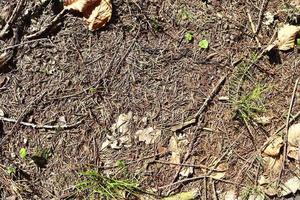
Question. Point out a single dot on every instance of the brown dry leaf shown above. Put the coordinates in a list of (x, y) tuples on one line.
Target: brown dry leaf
[(96, 12), (286, 37), (184, 195), (291, 186), (148, 135), (273, 146), (293, 152), (77, 5), (294, 135), (222, 168), (295, 3), (177, 145), (272, 165)]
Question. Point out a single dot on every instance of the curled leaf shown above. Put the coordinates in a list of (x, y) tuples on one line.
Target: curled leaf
[(183, 195), (148, 135), (294, 135), (96, 12), (286, 37), (273, 146)]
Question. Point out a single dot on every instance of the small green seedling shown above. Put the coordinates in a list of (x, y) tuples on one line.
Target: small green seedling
[(203, 44), (184, 14), (188, 36), (94, 183), (11, 170), (23, 153), (120, 164), (298, 41), (92, 90)]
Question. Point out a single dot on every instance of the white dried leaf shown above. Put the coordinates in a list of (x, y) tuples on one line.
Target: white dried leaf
[(263, 120), (186, 171), (1, 113), (190, 195), (294, 135), (148, 135), (122, 124), (222, 168), (177, 145), (272, 165), (291, 186), (230, 195), (293, 152), (256, 197), (286, 37), (269, 18), (273, 146)]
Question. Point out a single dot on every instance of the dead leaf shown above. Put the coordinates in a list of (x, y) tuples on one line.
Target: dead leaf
[(272, 165), (269, 18), (256, 197), (295, 3), (2, 113), (263, 120), (293, 152), (120, 133), (291, 186), (263, 180), (273, 146), (148, 135), (222, 168), (230, 195), (183, 195), (96, 12), (122, 124), (270, 190), (294, 135), (177, 145), (286, 37), (186, 171)]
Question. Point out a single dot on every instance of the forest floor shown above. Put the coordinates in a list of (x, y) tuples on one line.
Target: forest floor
[(142, 105)]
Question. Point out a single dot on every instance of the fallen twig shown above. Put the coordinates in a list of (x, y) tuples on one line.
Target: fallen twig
[(48, 26), (196, 117), (12, 18), (285, 141), (40, 126), (195, 179), (260, 17), (253, 29), (188, 165)]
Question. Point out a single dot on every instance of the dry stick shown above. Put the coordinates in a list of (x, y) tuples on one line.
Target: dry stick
[(48, 27), (287, 130), (195, 179), (213, 93), (253, 28), (188, 165), (260, 18), (136, 161), (12, 18), (40, 126), (23, 43), (22, 115)]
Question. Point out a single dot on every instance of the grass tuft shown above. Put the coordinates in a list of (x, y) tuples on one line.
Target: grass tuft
[(95, 184)]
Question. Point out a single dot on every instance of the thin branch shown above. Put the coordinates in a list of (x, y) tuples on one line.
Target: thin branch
[(188, 165), (287, 130), (48, 26), (12, 19), (40, 126)]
